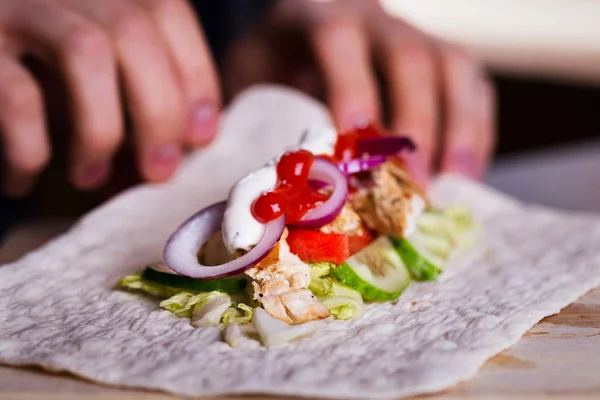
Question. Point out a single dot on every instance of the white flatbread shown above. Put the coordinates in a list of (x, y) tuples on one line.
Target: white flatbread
[(58, 308)]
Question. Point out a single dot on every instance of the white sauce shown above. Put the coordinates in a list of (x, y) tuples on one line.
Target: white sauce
[(240, 230), (417, 206), (319, 140)]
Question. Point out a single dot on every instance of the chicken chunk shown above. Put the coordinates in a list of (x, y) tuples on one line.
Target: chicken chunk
[(393, 202), (347, 222), (281, 283)]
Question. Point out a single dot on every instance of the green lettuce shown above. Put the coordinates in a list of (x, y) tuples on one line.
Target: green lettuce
[(204, 309), (341, 301), (460, 217), (209, 310), (320, 281), (321, 269), (136, 282), (238, 314), (344, 303), (185, 304), (455, 225)]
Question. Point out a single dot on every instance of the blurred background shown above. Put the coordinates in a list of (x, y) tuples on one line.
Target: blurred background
[(543, 55)]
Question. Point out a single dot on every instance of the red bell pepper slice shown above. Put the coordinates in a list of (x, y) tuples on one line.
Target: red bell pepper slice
[(357, 242), (314, 246)]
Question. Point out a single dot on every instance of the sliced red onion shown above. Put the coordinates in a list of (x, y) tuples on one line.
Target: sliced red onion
[(317, 185), (384, 146), (181, 250), (361, 164), (329, 173)]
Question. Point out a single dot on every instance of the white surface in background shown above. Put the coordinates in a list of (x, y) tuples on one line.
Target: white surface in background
[(567, 177), (554, 38)]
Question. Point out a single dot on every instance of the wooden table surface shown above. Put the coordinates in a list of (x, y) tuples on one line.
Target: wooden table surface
[(559, 358)]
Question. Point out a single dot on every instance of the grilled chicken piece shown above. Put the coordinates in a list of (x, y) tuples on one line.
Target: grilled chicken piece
[(295, 307), (347, 222), (393, 202), (281, 284)]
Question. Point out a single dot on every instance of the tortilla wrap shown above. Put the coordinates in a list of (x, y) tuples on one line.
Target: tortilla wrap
[(59, 308)]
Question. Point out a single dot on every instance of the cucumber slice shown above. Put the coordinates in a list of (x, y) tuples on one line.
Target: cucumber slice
[(162, 274), (423, 264), (376, 272)]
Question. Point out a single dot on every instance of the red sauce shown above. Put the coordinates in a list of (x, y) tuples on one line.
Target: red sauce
[(345, 147), (293, 195)]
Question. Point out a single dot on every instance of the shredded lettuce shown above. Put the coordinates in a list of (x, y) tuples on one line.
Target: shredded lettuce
[(238, 314), (464, 229), (320, 281), (209, 311), (321, 287), (460, 217), (232, 335), (136, 282), (321, 269), (344, 303), (453, 224), (204, 309), (185, 304), (341, 301)]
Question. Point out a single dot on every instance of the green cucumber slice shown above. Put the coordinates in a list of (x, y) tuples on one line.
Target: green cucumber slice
[(423, 264), (159, 273), (439, 234), (376, 272)]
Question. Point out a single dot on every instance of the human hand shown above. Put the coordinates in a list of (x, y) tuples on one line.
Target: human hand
[(146, 58), (435, 91)]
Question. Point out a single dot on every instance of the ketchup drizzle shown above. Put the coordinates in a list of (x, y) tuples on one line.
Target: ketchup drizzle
[(293, 195)]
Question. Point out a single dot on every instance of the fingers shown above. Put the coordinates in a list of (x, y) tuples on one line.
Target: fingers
[(249, 61), (439, 97), (152, 89), (411, 71), (469, 101), (488, 120), (83, 52), (153, 48), (347, 72), (198, 77), (22, 127)]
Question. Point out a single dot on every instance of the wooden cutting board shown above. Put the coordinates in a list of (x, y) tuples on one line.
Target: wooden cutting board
[(559, 358)]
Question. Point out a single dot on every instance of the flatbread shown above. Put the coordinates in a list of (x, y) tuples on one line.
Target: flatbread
[(59, 310)]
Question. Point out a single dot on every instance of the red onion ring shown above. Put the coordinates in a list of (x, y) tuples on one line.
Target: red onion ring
[(325, 171), (317, 185), (384, 146), (180, 252), (361, 164)]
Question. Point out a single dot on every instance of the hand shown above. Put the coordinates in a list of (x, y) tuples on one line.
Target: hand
[(144, 57), (436, 92)]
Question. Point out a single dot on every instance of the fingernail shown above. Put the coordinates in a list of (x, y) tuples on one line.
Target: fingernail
[(164, 161), (464, 162), (88, 176), (204, 121), (418, 167)]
